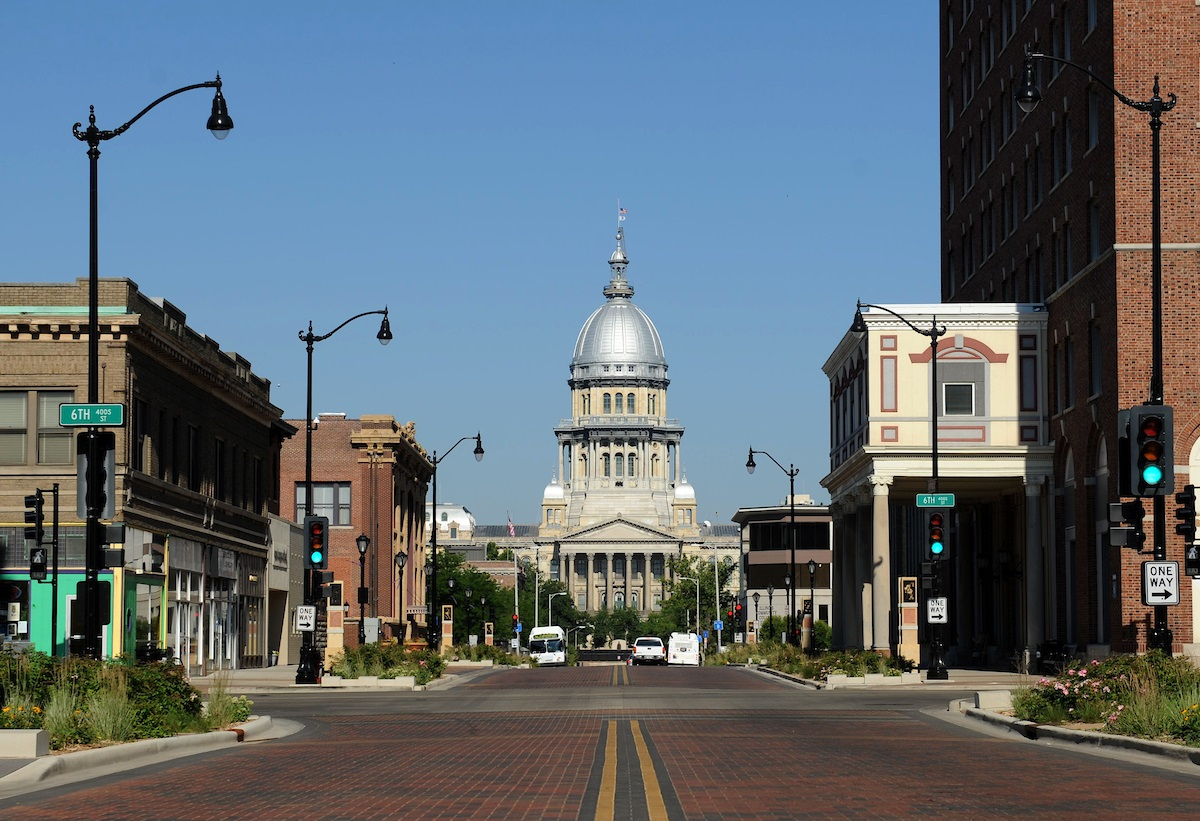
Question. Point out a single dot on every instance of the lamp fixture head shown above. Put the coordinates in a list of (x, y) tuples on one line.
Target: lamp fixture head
[(859, 326), (1027, 94), (478, 448), (220, 123), (401, 559), (750, 462), (812, 568), (363, 541), (385, 330)]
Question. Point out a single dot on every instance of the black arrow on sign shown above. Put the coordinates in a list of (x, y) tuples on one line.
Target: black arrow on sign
[(1161, 594)]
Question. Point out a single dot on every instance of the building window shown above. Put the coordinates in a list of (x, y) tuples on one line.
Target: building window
[(650, 404), (331, 500), (606, 462), (587, 404), (620, 460), (194, 473), (1093, 118), (453, 532), (608, 403), (54, 443), (630, 406), (620, 403), (1094, 371), (631, 463), (1092, 15), (958, 399), (220, 482), (1094, 245)]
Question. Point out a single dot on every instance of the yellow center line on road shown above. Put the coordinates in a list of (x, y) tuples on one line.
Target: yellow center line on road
[(605, 804), (656, 808)]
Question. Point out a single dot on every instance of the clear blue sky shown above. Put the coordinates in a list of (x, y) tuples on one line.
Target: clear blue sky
[(461, 163)]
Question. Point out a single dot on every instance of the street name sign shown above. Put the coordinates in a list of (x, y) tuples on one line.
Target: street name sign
[(935, 500), (1160, 582), (935, 610), (306, 618), (93, 414)]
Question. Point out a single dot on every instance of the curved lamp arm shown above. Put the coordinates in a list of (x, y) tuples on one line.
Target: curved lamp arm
[(219, 123), (436, 460), (1028, 96), (384, 336), (860, 327)]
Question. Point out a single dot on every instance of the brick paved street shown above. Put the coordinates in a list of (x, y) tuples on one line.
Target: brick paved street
[(637, 743)]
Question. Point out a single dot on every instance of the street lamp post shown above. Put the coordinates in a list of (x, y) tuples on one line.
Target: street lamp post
[(220, 124), (696, 582), (401, 559), (550, 606), (363, 542), (1027, 97), (306, 671), (756, 597), (770, 602), (433, 622), (812, 608), (467, 614), (791, 471), (937, 662)]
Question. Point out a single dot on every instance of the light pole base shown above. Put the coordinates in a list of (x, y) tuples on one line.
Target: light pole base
[(306, 671)]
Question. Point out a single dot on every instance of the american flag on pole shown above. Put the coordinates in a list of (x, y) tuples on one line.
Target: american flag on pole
[(621, 212), (512, 531)]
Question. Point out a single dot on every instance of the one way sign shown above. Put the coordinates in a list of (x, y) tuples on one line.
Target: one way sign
[(1160, 582)]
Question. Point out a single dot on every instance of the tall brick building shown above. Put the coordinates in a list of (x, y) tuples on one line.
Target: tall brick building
[(1053, 207), (370, 477)]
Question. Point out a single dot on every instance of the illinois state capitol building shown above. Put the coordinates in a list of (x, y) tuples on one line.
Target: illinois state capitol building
[(619, 503)]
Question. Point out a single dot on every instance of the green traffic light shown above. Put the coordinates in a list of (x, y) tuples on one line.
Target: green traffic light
[(936, 548), (1152, 475), (315, 557)]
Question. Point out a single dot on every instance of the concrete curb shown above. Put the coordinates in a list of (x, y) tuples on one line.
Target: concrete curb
[(135, 753), (1080, 738)]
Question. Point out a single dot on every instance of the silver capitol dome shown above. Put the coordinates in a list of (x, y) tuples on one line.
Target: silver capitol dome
[(618, 333)]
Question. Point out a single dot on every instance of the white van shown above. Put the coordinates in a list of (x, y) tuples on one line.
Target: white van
[(548, 646), (684, 648)]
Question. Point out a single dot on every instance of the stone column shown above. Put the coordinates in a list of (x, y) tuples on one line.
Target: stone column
[(647, 595), (590, 582), (608, 581), (881, 566), (1035, 562), (566, 569)]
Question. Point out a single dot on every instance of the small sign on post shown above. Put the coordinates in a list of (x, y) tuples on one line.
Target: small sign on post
[(306, 618), (935, 500), (1160, 583), (935, 610), (91, 415)]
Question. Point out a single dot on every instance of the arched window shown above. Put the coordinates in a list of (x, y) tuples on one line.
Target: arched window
[(608, 403), (633, 600), (606, 465), (587, 404), (620, 403), (618, 600), (631, 473), (445, 517), (620, 461), (651, 403), (630, 405)]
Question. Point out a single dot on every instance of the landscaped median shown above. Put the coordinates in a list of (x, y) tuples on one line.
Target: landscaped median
[(1148, 703)]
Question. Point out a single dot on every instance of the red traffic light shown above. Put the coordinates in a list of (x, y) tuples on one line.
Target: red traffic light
[(1152, 426)]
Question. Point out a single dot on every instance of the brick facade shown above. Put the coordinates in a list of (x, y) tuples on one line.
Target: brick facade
[(385, 474), (1054, 207)]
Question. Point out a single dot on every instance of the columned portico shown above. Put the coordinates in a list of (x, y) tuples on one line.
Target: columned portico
[(881, 565)]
